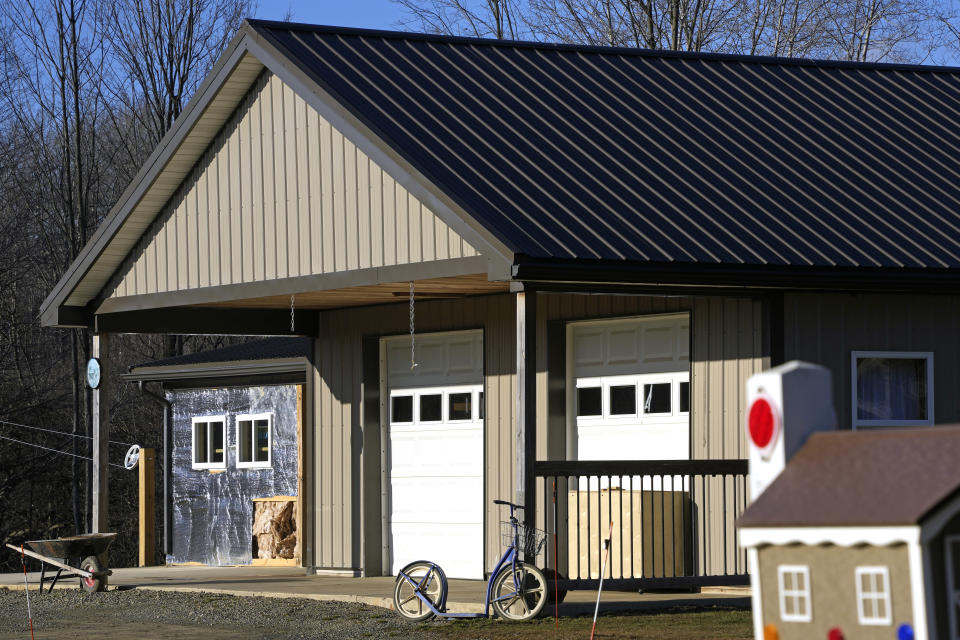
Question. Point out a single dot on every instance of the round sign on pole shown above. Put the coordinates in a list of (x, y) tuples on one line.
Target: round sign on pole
[(132, 457), (763, 424), (93, 373)]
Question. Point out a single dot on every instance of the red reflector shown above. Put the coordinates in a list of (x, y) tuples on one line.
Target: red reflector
[(761, 423)]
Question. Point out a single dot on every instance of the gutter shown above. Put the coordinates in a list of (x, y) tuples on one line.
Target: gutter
[(560, 274)]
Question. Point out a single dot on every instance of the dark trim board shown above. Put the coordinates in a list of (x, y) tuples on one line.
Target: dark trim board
[(211, 321), (610, 277), (292, 370)]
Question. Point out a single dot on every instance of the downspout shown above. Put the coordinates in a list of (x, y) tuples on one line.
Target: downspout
[(167, 464)]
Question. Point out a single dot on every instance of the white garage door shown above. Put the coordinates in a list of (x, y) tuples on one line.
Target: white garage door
[(632, 381), (435, 459)]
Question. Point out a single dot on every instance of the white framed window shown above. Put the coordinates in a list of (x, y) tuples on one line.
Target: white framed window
[(209, 442), (634, 399), (892, 388), (255, 441), (794, 583), (461, 404), (873, 595)]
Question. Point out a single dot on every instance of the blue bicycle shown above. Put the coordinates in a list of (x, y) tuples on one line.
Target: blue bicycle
[(516, 590)]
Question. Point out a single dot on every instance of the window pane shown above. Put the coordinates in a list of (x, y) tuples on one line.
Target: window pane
[(263, 440), (892, 388), (589, 401), (656, 397), (481, 408), (402, 409), (216, 437), (460, 406), (431, 408), (684, 397), (245, 449), (623, 400), (200, 437)]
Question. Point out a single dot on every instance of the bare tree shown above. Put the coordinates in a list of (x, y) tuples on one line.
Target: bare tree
[(500, 19), (162, 50)]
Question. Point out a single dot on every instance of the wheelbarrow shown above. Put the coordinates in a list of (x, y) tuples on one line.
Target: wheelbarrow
[(88, 552)]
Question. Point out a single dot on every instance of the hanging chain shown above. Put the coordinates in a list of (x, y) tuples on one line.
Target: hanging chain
[(292, 323), (413, 347)]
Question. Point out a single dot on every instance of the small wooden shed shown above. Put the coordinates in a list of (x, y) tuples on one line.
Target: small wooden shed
[(861, 534)]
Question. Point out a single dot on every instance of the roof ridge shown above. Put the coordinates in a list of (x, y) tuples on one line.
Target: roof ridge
[(700, 56)]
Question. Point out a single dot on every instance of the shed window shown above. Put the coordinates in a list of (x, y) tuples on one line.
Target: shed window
[(794, 583), (892, 388), (254, 441), (209, 438), (656, 398), (873, 595)]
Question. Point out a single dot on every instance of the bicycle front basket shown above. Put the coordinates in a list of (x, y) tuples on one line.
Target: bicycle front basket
[(530, 540)]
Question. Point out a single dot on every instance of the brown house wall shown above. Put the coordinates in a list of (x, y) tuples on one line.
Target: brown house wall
[(833, 589), (824, 329)]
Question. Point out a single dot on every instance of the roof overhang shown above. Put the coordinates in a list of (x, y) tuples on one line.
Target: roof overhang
[(77, 297), (289, 369), (841, 536)]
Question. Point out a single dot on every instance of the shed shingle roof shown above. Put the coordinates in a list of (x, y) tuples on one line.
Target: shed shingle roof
[(862, 478), (613, 154)]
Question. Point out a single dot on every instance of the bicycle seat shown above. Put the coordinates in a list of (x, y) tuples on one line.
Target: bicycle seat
[(515, 506)]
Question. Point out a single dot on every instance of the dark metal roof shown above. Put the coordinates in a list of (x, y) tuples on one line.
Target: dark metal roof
[(618, 154), (267, 349), (862, 478)]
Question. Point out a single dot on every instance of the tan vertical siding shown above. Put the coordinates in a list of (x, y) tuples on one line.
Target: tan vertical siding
[(726, 329), (825, 329), (338, 409), (281, 193)]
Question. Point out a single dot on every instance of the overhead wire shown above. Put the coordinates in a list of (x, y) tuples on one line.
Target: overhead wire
[(66, 453), (61, 433)]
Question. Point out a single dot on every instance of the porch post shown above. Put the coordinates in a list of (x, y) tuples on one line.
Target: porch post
[(100, 414), (526, 445)]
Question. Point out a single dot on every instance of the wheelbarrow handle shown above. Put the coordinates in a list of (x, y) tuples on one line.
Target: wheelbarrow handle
[(56, 563)]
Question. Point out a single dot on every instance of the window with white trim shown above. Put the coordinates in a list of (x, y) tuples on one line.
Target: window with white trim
[(794, 583), (892, 388), (255, 441), (873, 595), (209, 442)]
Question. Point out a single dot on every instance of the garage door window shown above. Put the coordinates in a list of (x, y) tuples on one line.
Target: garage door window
[(657, 398), (431, 407), (460, 406), (401, 409), (589, 401), (623, 400)]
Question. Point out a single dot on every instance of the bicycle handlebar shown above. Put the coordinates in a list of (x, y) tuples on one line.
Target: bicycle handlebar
[(515, 506)]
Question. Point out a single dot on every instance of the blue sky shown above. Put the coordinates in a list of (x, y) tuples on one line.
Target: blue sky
[(371, 14)]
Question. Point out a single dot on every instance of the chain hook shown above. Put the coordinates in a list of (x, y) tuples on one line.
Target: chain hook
[(292, 317), (413, 348)]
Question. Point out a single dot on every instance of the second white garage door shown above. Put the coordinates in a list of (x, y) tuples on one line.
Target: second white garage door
[(435, 457)]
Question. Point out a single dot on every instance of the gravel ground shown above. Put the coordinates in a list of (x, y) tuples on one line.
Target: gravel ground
[(151, 614)]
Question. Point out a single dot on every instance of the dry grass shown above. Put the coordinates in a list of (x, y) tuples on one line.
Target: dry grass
[(716, 624)]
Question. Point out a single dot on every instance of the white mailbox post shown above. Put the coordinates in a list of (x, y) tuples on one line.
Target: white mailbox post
[(785, 405)]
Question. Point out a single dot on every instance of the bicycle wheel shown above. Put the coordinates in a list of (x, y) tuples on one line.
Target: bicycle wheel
[(433, 586), (519, 593)]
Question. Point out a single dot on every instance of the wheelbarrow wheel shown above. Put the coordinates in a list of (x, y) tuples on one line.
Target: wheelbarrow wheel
[(94, 584)]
